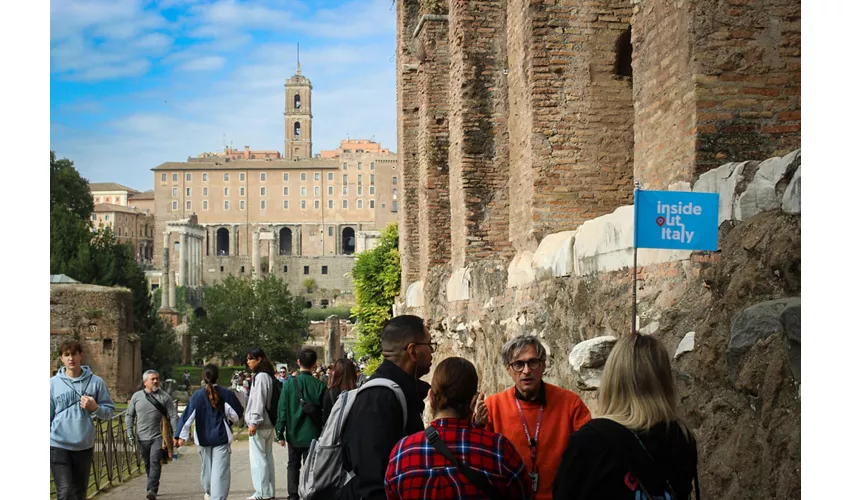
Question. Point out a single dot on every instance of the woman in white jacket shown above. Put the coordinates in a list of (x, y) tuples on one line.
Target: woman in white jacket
[(260, 427)]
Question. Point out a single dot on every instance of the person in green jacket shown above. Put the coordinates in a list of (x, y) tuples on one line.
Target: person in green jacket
[(294, 425)]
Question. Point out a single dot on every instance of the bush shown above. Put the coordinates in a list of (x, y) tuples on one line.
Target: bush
[(322, 314), (372, 365), (195, 372)]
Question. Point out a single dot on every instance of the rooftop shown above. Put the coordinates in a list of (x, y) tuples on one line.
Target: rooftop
[(109, 207), (110, 186), (219, 164), (147, 195)]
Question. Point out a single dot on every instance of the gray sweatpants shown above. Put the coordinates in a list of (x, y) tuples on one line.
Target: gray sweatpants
[(215, 470)]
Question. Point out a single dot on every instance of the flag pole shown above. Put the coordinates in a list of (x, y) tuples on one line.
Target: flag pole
[(634, 264)]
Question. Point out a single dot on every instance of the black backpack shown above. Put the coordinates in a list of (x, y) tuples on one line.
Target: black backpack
[(277, 388), (313, 412)]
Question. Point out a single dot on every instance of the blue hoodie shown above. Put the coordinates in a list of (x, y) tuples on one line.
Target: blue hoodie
[(71, 426)]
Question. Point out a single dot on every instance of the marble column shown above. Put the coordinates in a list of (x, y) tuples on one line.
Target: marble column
[(183, 259), (172, 291), (255, 254), (200, 263), (164, 282)]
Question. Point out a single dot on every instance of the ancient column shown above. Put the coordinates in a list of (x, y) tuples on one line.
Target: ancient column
[(165, 277), (255, 253), (232, 248), (200, 267), (172, 291), (183, 259)]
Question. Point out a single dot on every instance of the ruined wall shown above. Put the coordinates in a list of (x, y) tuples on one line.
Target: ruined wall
[(101, 319)]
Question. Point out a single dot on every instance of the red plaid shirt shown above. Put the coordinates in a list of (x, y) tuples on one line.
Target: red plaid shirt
[(418, 471)]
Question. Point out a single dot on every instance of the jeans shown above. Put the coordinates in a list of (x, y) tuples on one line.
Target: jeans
[(293, 469), (70, 471), (215, 470), (152, 454), (262, 462)]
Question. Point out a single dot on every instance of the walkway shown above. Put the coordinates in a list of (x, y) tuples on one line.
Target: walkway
[(182, 479)]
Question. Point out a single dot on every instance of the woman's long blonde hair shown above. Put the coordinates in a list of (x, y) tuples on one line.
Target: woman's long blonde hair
[(637, 389)]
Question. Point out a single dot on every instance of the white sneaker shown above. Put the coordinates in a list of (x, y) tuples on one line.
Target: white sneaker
[(206, 496)]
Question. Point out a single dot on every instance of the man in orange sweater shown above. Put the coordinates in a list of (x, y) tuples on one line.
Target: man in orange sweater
[(536, 417)]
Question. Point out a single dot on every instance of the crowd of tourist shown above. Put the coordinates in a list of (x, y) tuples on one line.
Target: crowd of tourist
[(533, 440)]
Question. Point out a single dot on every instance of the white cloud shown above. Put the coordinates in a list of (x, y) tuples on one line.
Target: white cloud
[(207, 63)]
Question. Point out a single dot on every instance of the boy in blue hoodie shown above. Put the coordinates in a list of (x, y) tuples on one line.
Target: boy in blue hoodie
[(75, 395)]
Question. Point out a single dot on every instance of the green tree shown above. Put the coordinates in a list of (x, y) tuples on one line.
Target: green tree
[(377, 282), (243, 313)]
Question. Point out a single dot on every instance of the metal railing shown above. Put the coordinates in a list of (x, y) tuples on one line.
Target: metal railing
[(113, 460)]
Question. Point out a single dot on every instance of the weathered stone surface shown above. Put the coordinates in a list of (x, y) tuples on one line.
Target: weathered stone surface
[(753, 324), (554, 255), (458, 286), (414, 296), (761, 193), (587, 359), (791, 198), (686, 345), (722, 180), (180, 396), (520, 272), (790, 317)]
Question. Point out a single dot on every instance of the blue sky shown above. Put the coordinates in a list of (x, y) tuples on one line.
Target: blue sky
[(134, 83)]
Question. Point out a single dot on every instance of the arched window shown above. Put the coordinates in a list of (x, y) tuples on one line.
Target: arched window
[(347, 241), (286, 241), (297, 129), (222, 237), (297, 101)]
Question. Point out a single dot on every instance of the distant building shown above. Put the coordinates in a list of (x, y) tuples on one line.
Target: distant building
[(111, 192), (130, 225)]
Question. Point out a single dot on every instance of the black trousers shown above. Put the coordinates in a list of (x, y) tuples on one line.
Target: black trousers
[(71, 471), (293, 469), (152, 454)]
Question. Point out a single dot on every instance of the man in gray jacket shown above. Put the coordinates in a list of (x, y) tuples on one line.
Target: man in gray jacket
[(144, 409)]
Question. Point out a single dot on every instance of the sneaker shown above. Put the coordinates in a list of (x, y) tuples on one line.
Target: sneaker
[(206, 496), (151, 495)]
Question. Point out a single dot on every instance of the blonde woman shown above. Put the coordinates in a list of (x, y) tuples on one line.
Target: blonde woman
[(638, 448)]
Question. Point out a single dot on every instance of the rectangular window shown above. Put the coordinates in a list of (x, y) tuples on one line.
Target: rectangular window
[(188, 191), (188, 205), (206, 206), (303, 176), (395, 206), (372, 179), (303, 204), (188, 177), (359, 203), (286, 269), (330, 190), (330, 204), (371, 189), (106, 217), (162, 178), (316, 176), (262, 177), (173, 207), (242, 191), (345, 190), (359, 180), (330, 231), (306, 269), (242, 176), (316, 204), (345, 166), (262, 190), (359, 166), (286, 177), (286, 204), (174, 192), (359, 190), (262, 204), (324, 269), (316, 191), (226, 204), (226, 191), (344, 179), (330, 176), (303, 191), (344, 203), (205, 191), (286, 190), (371, 203), (174, 177), (372, 166), (205, 177), (395, 181), (226, 177), (241, 204)]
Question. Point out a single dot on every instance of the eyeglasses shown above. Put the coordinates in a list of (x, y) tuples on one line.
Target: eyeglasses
[(518, 366), (432, 345)]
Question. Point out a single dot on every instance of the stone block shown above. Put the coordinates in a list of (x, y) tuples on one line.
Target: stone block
[(458, 286), (554, 255), (753, 324), (415, 295), (587, 359), (722, 180), (791, 198), (520, 271), (686, 345), (761, 193)]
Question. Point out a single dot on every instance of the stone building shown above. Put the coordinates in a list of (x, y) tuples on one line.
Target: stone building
[(130, 225), (297, 217), (101, 318), (112, 193)]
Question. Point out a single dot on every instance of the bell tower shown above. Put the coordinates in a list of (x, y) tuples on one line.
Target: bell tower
[(298, 117)]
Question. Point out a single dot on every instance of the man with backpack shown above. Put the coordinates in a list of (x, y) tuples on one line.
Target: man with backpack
[(155, 417), (377, 419), (299, 416)]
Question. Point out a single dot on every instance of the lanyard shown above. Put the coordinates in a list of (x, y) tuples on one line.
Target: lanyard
[(532, 442)]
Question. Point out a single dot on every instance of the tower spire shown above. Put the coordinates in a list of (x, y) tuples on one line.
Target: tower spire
[(298, 58)]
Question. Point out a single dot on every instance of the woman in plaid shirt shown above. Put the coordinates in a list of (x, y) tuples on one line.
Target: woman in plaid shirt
[(418, 471)]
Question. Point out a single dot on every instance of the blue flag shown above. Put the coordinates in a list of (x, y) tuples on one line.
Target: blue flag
[(678, 220)]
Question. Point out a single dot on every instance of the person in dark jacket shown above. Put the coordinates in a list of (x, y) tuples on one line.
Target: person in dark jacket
[(375, 425), (637, 448), (211, 409), (343, 378), (294, 427)]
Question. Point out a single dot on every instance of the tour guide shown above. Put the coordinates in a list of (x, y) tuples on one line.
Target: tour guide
[(538, 418)]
